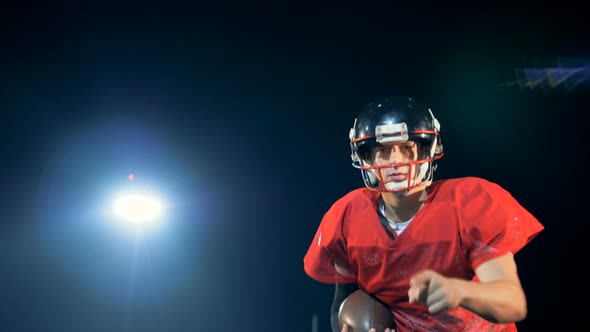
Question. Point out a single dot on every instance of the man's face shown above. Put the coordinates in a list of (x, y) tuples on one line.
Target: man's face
[(392, 163), (398, 156)]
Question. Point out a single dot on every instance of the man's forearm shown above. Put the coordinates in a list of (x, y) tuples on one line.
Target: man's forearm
[(340, 294), (498, 301)]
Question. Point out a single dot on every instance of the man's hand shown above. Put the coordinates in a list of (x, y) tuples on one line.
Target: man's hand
[(434, 291)]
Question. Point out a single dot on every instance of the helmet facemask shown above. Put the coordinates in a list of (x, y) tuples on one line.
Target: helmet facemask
[(419, 171)]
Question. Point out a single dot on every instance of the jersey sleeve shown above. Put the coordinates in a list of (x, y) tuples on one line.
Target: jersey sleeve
[(327, 259), (494, 223)]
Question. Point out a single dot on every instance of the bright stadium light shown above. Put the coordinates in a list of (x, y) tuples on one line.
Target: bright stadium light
[(138, 208)]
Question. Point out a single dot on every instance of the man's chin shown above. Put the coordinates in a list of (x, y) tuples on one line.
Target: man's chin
[(396, 186), (402, 188)]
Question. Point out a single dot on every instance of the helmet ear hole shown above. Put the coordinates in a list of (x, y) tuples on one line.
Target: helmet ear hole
[(439, 147)]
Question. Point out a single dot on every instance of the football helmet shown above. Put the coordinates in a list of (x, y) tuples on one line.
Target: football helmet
[(394, 120)]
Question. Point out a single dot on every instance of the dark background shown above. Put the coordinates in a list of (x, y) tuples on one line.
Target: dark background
[(239, 114)]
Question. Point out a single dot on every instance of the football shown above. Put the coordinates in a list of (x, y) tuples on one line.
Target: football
[(361, 311)]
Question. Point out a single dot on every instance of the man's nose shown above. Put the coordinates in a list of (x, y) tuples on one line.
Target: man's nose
[(395, 155)]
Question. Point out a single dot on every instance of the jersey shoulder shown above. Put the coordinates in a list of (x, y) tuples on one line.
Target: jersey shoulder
[(468, 185), (357, 198), (472, 192)]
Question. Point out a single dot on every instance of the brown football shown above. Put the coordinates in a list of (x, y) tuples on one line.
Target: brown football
[(361, 311)]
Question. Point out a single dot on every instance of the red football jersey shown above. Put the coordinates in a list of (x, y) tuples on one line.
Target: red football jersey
[(463, 223)]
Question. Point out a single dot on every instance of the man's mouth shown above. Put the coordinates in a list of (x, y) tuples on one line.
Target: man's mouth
[(396, 177)]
